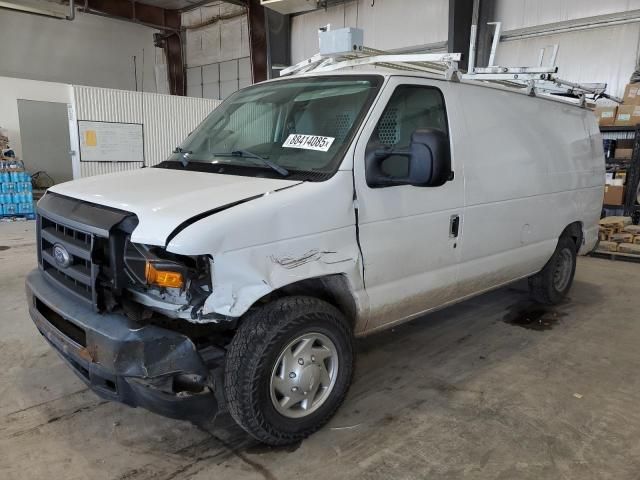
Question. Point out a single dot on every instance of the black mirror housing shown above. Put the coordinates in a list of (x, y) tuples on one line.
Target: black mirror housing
[(429, 161)]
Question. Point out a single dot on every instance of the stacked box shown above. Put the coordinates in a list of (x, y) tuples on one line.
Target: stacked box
[(16, 196), (613, 231), (617, 234)]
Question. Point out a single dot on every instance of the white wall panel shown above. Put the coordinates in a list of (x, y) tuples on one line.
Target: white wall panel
[(527, 13), (231, 39), (244, 72), (388, 24), (91, 50), (211, 81), (166, 120), (215, 49), (194, 82)]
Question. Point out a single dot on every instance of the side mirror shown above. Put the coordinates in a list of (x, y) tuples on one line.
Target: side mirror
[(429, 161)]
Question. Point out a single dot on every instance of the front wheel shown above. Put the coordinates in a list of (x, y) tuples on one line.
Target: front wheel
[(288, 369), (552, 283)]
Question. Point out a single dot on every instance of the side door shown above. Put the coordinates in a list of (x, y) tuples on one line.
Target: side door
[(409, 235)]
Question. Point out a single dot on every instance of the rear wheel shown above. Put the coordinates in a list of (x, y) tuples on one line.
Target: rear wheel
[(553, 282), (288, 369)]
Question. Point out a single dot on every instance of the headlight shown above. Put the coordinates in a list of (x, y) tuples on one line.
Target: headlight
[(163, 278), (150, 266)]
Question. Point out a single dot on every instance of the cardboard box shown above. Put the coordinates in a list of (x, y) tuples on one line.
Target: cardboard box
[(631, 94), (606, 115), (613, 195), (624, 153), (620, 175), (628, 115)]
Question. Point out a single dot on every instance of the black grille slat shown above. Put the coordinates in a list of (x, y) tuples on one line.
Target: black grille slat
[(79, 278), (79, 273), (81, 292), (75, 247)]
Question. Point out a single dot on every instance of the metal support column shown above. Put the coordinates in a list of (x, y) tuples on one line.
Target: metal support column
[(257, 40), (278, 42), (460, 20)]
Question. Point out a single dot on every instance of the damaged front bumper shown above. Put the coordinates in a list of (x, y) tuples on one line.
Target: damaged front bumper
[(148, 367)]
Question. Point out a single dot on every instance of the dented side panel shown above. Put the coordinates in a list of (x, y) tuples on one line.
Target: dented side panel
[(303, 232)]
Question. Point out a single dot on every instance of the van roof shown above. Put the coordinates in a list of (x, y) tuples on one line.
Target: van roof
[(388, 72)]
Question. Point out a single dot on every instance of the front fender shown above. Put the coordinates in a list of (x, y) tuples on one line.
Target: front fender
[(303, 232)]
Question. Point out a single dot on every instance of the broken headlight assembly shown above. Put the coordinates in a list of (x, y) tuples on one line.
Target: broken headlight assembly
[(173, 285)]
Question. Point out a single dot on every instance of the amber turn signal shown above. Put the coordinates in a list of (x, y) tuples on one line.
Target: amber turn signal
[(163, 278)]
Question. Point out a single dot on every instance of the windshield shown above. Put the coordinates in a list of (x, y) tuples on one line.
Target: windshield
[(302, 125)]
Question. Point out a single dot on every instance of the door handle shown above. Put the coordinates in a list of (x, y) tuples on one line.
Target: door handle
[(454, 226)]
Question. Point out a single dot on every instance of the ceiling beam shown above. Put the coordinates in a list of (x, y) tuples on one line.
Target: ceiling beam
[(132, 11)]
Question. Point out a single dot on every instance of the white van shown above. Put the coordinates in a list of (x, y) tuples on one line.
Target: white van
[(302, 213)]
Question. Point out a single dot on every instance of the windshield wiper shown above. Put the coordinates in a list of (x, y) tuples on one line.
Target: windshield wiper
[(247, 154), (185, 154)]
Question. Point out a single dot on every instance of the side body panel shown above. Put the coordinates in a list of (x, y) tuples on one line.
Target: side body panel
[(532, 167)]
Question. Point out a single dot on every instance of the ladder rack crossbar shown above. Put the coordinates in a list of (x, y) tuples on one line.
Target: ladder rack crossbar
[(535, 79)]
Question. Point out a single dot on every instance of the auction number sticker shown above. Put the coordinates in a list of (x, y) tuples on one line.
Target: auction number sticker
[(308, 142)]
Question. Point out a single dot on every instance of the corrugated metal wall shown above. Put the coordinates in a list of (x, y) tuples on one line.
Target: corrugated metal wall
[(166, 120)]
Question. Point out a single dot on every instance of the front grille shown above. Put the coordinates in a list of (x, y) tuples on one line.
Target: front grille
[(79, 277)]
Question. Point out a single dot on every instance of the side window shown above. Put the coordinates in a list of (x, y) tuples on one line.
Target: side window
[(411, 107)]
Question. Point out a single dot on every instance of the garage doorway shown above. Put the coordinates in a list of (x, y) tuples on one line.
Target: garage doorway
[(44, 135)]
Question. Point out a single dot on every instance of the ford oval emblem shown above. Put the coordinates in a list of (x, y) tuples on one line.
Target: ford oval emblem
[(61, 256)]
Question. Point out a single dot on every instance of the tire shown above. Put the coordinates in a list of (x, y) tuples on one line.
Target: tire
[(552, 283), (259, 368)]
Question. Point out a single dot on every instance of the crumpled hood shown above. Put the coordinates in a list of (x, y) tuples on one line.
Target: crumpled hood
[(162, 199)]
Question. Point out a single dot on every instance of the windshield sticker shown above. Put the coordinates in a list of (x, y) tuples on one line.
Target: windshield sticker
[(308, 142)]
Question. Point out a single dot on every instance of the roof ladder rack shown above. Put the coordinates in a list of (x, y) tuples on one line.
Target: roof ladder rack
[(343, 48)]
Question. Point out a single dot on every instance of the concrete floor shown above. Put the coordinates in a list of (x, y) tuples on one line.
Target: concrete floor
[(457, 393)]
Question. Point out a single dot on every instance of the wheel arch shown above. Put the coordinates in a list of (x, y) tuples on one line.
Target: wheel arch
[(575, 231), (334, 289)]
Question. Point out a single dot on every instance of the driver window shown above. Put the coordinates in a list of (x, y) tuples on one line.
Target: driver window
[(411, 107)]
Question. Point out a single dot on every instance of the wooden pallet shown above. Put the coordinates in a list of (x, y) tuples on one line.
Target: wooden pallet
[(625, 257)]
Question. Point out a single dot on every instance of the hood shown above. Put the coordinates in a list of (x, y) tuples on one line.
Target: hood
[(162, 199)]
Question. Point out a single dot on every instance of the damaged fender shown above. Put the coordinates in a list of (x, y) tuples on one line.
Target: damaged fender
[(263, 245)]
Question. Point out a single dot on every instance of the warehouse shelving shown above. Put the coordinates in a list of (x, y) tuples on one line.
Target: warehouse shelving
[(632, 167)]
